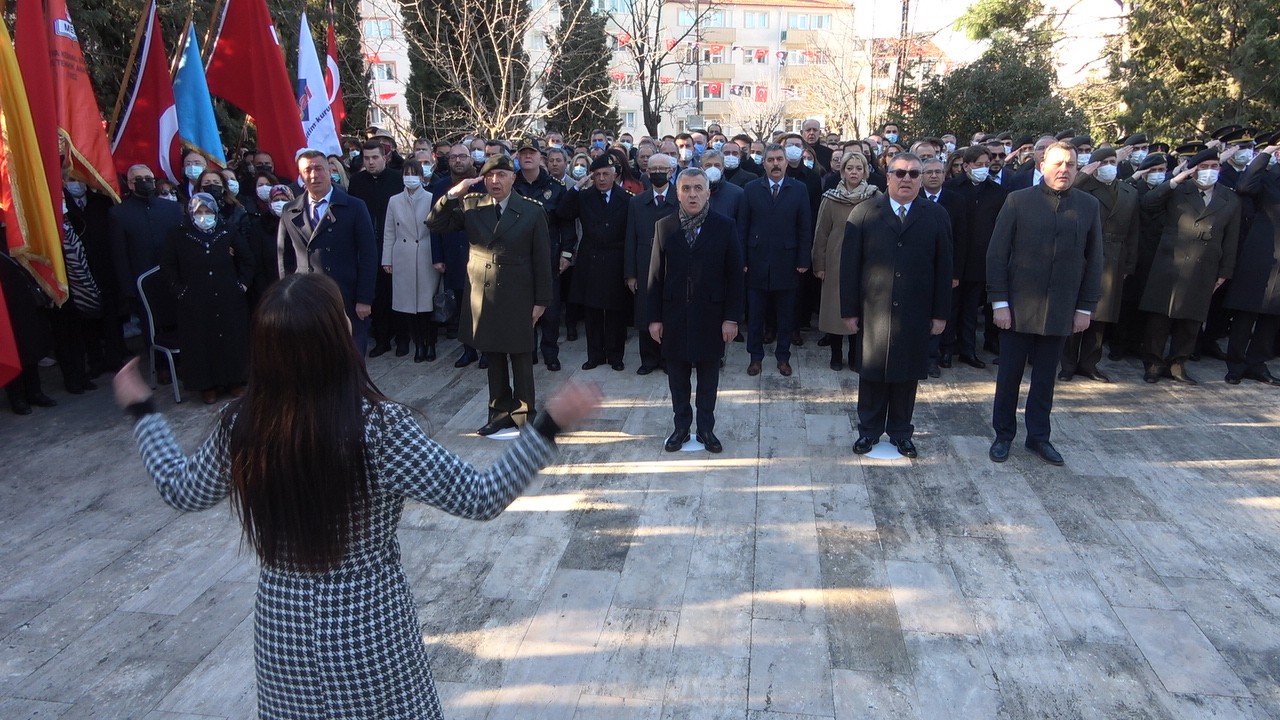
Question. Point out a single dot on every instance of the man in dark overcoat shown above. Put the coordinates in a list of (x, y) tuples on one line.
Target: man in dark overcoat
[(331, 232), (138, 227), (1196, 254), (695, 303), (895, 294), (1044, 278), (1254, 293), (375, 185), (599, 283), (509, 272), (1118, 203), (982, 202), (534, 182), (449, 250), (656, 202), (779, 241)]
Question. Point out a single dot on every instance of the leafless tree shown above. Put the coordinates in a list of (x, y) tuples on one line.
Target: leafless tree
[(759, 119)]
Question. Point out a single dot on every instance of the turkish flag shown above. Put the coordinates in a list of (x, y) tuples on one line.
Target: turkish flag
[(713, 88), (79, 119), (148, 129), (246, 68), (761, 53), (333, 79), (762, 94)]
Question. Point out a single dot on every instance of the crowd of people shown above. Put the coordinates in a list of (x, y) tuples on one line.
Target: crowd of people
[(465, 238)]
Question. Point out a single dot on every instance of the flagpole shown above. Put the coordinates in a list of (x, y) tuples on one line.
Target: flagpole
[(182, 47), (215, 22), (128, 69)]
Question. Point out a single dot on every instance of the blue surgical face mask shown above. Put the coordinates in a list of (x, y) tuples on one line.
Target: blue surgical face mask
[(891, 137), (336, 178), (699, 148), (516, 162), (598, 144), (717, 144)]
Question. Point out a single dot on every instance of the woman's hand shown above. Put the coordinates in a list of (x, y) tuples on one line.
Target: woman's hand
[(129, 386), (574, 402)]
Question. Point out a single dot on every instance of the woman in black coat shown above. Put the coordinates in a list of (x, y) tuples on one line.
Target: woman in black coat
[(209, 266)]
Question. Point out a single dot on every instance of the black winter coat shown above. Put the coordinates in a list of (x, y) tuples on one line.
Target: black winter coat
[(694, 290)]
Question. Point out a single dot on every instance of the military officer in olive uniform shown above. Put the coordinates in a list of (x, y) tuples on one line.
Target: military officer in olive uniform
[(509, 273)]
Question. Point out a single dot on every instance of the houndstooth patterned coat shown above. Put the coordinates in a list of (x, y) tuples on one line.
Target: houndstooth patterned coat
[(346, 643)]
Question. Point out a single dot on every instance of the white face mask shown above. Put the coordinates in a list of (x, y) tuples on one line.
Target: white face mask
[(686, 154), (731, 161), (626, 145), (757, 158), (1083, 159), (277, 207), (205, 221), (76, 189), (412, 182), (1156, 178), (808, 162), (192, 171), (428, 170), (891, 137), (717, 144), (234, 186), (1008, 149), (1106, 173), (794, 153), (1206, 178), (1244, 156), (979, 174), (950, 147), (578, 172), (1137, 156), (713, 174), (353, 154), (477, 155), (264, 192)]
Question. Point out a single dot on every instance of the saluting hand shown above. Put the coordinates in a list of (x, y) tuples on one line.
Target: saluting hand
[(460, 189)]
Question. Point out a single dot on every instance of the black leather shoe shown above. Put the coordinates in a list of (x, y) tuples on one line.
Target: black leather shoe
[(420, 354), (676, 440), (1152, 373), (754, 368), (863, 445), (402, 350), (484, 362), (503, 423), (430, 354), (41, 400), (1232, 379), (999, 451), (710, 442), (379, 350), (553, 365), (824, 341), (784, 368), (935, 371), (972, 361), (644, 370), (1096, 375), (618, 366), (1046, 451), (944, 361), (1179, 374), (465, 359), (19, 406), (1264, 377), (906, 448), (1064, 376), (837, 365), (590, 365)]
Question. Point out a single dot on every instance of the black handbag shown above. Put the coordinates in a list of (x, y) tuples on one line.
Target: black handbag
[(444, 304)]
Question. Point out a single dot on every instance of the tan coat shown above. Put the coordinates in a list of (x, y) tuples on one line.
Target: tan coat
[(828, 239)]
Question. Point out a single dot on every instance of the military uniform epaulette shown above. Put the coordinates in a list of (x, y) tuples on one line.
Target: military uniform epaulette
[(475, 195), (535, 201)]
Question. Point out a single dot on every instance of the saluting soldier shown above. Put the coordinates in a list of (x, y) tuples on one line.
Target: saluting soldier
[(509, 273)]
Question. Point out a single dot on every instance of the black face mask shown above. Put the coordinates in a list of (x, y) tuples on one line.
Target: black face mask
[(658, 179), (144, 188)]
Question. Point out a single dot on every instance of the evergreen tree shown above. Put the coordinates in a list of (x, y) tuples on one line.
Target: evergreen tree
[(577, 92), (1196, 65)]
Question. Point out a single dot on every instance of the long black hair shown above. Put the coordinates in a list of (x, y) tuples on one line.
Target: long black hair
[(298, 456)]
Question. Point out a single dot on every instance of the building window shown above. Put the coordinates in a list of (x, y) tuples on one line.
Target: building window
[(715, 18), (820, 22), (536, 41), (383, 71), (755, 56), (375, 115), (711, 56), (712, 91), (755, 20), (629, 119), (798, 22), (687, 92), (377, 29)]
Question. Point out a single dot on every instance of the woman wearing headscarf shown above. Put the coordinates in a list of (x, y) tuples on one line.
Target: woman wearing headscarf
[(828, 238), (406, 254), (209, 266), (270, 197)]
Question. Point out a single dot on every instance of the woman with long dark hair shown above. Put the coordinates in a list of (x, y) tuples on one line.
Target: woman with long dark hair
[(318, 464)]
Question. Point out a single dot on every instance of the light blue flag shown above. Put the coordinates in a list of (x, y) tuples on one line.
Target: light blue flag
[(196, 123)]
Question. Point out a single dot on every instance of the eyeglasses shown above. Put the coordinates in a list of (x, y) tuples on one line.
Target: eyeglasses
[(900, 173), (460, 156)]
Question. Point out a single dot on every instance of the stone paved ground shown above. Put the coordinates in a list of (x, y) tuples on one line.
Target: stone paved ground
[(784, 579)]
